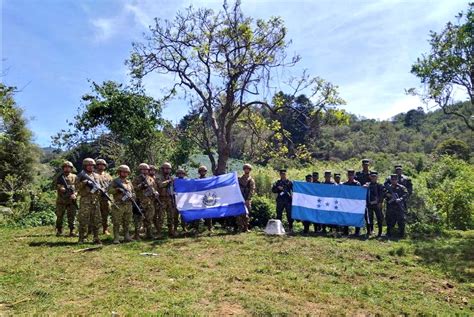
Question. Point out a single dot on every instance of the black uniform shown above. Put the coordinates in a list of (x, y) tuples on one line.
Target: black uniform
[(396, 210), (362, 177), (404, 181), (375, 195), (283, 200)]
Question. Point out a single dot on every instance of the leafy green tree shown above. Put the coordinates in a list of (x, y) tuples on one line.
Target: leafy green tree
[(122, 124), (454, 147), (222, 60), (449, 66), (18, 154)]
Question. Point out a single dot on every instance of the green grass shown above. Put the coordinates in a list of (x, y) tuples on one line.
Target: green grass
[(236, 274)]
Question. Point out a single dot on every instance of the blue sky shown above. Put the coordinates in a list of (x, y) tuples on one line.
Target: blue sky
[(51, 48)]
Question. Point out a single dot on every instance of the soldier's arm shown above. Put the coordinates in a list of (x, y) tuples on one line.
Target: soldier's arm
[(404, 195), (275, 188), (252, 188)]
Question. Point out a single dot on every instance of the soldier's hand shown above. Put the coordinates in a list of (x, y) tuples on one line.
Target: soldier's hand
[(280, 187), (73, 196), (399, 200), (62, 189)]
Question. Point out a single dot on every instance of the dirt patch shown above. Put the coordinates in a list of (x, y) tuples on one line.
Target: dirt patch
[(229, 309)]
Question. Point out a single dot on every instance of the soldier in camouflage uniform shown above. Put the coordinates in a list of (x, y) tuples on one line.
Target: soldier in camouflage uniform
[(284, 188), (168, 205), (66, 202), (247, 187), (202, 171), (89, 210), (122, 189), (395, 195), (152, 171), (145, 188), (104, 182), (181, 174)]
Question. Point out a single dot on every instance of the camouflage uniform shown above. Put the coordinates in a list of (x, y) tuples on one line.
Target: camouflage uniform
[(122, 210), (145, 189), (167, 203), (89, 210), (104, 181), (247, 187), (64, 203)]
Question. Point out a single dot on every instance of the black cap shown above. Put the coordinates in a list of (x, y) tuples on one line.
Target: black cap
[(351, 172), (365, 161), (315, 174), (394, 176), (282, 170), (309, 176), (373, 173), (337, 174), (327, 172), (398, 167)]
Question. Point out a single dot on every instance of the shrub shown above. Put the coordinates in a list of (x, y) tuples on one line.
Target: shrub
[(263, 209)]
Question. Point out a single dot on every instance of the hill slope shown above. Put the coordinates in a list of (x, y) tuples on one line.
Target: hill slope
[(235, 274)]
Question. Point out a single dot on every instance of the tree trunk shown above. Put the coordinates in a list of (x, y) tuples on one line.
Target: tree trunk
[(223, 151)]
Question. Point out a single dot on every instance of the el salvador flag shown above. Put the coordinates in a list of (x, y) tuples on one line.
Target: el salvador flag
[(329, 204), (212, 197)]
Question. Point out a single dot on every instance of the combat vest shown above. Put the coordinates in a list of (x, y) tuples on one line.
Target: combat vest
[(71, 187)]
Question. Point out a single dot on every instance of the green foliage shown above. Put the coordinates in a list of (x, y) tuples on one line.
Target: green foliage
[(449, 64), (447, 191), (263, 209), (18, 154), (454, 147)]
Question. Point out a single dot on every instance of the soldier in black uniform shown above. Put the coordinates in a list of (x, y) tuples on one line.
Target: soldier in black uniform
[(363, 177), (337, 178), (395, 194), (327, 178), (284, 188), (316, 177), (350, 182), (375, 195), (402, 180)]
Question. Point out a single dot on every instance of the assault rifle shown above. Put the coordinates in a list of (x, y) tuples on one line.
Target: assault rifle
[(69, 188), (95, 187), (395, 198), (127, 195)]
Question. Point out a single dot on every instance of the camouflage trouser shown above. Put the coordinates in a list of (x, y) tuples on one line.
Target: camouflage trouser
[(104, 212), (68, 208), (172, 216), (122, 216), (148, 210), (89, 215), (158, 218), (243, 220)]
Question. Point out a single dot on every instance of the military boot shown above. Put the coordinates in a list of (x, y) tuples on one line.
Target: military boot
[(127, 237), (81, 237), (379, 233), (136, 235), (71, 233), (59, 232)]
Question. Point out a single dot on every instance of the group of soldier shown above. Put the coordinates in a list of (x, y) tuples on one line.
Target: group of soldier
[(395, 191), (146, 200), (149, 197)]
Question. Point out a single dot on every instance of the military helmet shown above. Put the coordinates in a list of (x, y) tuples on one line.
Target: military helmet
[(202, 168), (67, 163), (153, 167), (166, 165), (88, 161), (101, 161), (143, 166), (247, 165), (180, 171), (124, 168)]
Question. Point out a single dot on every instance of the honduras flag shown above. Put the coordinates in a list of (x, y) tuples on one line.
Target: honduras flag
[(212, 197), (329, 204)]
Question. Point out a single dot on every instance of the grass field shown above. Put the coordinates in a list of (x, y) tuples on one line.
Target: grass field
[(236, 275)]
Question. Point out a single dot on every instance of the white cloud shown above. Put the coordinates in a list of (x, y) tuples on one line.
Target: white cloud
[(105, 28)]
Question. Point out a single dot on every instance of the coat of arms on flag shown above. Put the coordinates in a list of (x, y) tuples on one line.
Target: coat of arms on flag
[(212, 197)]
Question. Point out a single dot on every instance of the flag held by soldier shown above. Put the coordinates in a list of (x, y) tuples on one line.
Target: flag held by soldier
[(211, 197)]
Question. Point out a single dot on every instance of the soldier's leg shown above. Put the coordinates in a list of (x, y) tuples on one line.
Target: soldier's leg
[(96, 221), (346, 231), (71, 216), (246, 217), (279, 210), (169, 217), (208, 223), (379, 216), (306, 227), (116, 221), (401, 223), (126, 220), (149, 212), (158, 219), (83, 218), (60, 209), (137, 222), (104, 213), (288, 216), (370, 222), (390, 221)]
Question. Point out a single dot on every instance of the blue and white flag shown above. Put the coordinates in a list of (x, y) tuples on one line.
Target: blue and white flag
[(212, 197), (329, 204)]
